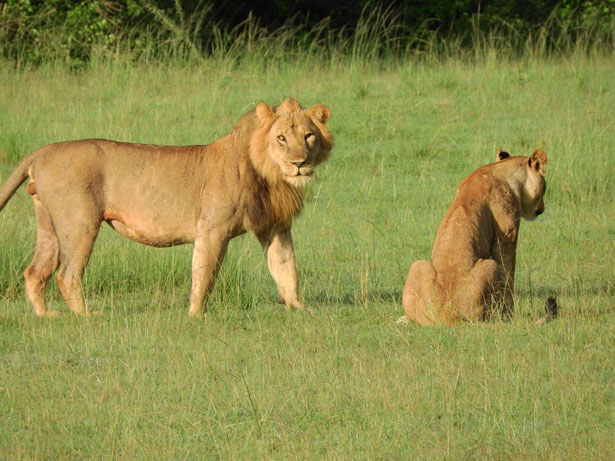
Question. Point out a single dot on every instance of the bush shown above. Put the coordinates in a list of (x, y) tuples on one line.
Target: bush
[(72, 31)]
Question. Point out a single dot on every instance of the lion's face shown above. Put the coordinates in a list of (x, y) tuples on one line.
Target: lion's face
[(291, 141), (533, 191), (293, 144)]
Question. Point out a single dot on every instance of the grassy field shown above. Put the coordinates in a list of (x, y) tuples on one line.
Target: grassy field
[(253, 381)]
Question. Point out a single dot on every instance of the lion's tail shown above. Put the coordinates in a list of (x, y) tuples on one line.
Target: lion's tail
[(15, 179)]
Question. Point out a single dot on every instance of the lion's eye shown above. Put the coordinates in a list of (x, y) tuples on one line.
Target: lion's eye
[(308, 136), (281, 138)]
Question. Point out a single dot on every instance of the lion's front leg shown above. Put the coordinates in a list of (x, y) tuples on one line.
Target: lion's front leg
[(280, 255), (480, 291), (505, 255), (209, 251)]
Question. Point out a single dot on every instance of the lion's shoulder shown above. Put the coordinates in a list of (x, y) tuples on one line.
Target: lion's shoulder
[(491, 181), (480, 200), (248, 122)]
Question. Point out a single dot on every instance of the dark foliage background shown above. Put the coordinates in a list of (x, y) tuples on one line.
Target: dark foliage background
[(36, 30)]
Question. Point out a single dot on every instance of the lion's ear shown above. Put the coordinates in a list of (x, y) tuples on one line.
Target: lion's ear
[(319, 112), (502, 155), (263, 112), (538, 161)]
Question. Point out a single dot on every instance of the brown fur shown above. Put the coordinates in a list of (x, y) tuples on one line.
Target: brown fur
[(471, 273), (169, 195)]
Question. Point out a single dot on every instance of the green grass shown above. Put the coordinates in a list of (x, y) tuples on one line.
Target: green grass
[(253, 381)]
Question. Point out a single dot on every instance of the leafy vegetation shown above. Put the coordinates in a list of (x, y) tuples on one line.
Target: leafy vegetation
[(76, 31)]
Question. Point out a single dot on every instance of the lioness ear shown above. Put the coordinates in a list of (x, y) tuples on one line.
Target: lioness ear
[(263, 112), (290, 105), (319, 112), (538, 161), (502, 155)]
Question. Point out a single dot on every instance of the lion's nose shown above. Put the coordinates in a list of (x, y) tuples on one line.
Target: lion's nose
[(298, 163), (539, 212)]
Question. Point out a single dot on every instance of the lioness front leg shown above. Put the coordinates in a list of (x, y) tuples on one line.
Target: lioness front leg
[(280, 255), (209, 251), (505, 254)]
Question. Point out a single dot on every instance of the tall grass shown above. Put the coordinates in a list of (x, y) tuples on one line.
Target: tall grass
[(252, 381)]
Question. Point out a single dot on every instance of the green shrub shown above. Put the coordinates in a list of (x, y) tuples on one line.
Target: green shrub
[(75, 32)]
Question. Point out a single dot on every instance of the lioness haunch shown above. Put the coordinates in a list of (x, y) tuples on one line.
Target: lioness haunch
[(250, 180), (472, 267)]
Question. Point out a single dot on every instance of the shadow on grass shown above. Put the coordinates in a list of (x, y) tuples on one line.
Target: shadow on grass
[(606, 288), (356, 298)]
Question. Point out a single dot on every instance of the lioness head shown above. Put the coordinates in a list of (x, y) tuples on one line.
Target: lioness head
[(290, 141), (534, 187)]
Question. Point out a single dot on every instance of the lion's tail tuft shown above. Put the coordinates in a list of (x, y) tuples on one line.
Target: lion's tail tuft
[(551, 307)]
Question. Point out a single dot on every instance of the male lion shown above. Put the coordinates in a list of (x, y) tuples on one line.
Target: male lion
[(472, 267), (250, 180)]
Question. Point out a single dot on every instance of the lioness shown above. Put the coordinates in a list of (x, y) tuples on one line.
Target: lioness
[(250, 180), (472, 267)]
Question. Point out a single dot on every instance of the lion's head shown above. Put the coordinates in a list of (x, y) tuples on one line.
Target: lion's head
[(290, 142), (534, 187)]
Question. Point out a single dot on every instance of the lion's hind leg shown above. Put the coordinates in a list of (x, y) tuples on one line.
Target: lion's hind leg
[(76, 233), (44, 262), (423, 295)]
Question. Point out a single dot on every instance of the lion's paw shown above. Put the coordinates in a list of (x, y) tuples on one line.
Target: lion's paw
[(49, 314)]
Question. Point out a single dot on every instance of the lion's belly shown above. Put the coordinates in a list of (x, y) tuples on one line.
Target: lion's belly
[(151, 231), (160, 213)]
